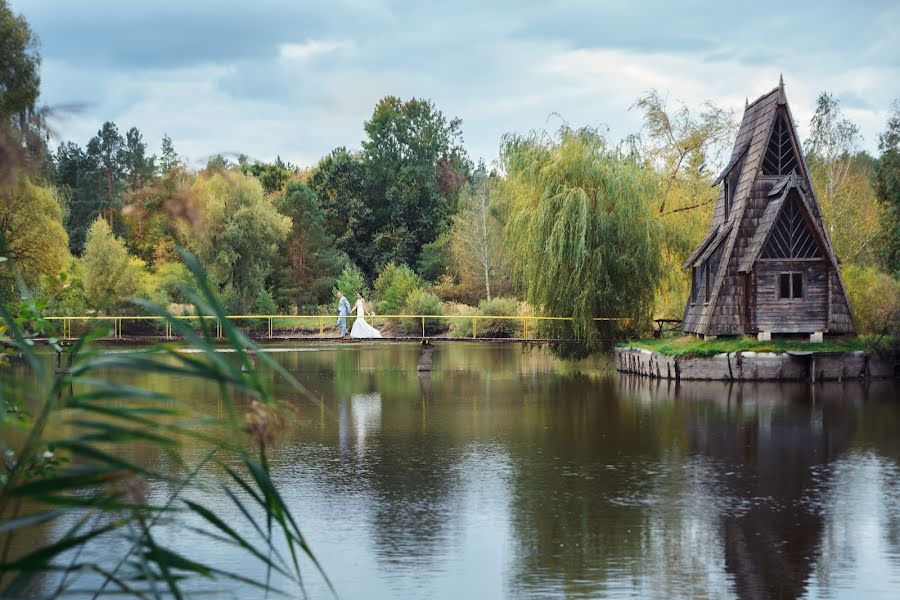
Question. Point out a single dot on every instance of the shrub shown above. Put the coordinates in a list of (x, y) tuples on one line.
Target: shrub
[(393, 286), (449, 290), (351, 281), (498, 307), (875, 301), (71, 301), (421, 302), (265, 303), (172, 279), (489, 328)]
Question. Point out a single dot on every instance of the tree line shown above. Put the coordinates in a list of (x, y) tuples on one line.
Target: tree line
[(564, 223)]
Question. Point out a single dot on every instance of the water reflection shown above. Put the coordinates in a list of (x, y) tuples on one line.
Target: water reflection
[(506, 473)]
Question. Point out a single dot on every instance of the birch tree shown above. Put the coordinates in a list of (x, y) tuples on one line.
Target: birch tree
[(477, 239)]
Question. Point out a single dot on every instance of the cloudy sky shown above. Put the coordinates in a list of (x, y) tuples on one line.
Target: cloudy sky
[(297, 78)]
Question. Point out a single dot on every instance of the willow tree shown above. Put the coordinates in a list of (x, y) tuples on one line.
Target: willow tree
[(583, 238)]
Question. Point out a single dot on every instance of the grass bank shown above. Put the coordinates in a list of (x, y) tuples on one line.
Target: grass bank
[(691, 346)]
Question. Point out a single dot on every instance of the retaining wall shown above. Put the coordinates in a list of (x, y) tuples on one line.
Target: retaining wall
[(754, 366)]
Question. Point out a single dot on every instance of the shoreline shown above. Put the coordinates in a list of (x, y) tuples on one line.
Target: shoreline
[(789, 365)]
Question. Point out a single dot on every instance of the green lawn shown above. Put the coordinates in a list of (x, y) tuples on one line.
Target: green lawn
[(691, 346)]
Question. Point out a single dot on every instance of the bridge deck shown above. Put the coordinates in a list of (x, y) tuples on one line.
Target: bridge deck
[(151, 339)]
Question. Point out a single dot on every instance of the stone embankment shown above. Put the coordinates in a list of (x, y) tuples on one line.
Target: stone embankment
[(754, 366)]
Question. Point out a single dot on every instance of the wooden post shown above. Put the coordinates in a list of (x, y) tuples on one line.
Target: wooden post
[(270, 327), (526, 328), (474, 327), (423, 327)]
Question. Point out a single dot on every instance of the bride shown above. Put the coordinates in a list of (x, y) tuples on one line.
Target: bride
[(361, 329)]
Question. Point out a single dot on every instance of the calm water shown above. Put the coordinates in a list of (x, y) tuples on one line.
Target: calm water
[(506, 473)]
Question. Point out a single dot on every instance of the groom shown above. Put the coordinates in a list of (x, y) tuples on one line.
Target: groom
[(343, 311)]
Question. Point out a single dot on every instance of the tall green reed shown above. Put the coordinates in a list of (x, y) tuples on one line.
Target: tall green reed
[(83, 485)]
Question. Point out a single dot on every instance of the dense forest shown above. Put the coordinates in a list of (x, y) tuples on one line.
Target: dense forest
[(564, 223)]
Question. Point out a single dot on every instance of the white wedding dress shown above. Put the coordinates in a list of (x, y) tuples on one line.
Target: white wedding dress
[(361, 329)]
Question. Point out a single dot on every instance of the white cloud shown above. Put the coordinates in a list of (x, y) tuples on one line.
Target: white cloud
[(310, 49)]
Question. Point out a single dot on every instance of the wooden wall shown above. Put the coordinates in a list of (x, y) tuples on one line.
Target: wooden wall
[(804, 315)]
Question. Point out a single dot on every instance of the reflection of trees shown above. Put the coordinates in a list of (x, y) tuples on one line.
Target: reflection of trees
[(575, 514)]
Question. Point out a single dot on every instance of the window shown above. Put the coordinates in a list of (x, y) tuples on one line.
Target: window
[(780, 158), (791, 236), (695, 283), (727, 200), (708, 286), (790, 286)]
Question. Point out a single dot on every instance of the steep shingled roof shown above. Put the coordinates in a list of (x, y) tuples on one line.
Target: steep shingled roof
[(755, 203)]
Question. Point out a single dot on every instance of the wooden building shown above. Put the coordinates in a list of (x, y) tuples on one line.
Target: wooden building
[(766, 265)]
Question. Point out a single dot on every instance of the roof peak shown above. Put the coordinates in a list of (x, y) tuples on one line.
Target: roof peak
[(777, 89)]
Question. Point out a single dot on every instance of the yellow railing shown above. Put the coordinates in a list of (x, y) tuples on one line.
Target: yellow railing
[(270, 319)]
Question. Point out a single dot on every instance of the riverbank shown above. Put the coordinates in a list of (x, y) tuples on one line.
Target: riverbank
[(745, 359)]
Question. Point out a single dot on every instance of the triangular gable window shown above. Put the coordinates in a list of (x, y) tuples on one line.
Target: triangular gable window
[(780, 158), (791, 236)]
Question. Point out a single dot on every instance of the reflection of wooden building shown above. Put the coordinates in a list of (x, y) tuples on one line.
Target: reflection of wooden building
[(766, 264)]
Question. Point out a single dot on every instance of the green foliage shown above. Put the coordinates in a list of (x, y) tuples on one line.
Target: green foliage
[(112, 278), (420, 302), (172, 280), (350, 281), (435, 258), (20, 76), (71, 299), (239, 234), (272, 176), (31, 235), (875, 300), (887, 189), (413, 158), (580, 230), (311, 262), (340, 185), (40, 491), (265, 303), (842, 178), (393, 286), (477, 241), (169, 159), (499, 328)]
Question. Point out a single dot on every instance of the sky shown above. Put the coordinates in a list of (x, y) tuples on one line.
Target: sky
[(297, 78)]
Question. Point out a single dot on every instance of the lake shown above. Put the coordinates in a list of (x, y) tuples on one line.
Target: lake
[(507, 473)]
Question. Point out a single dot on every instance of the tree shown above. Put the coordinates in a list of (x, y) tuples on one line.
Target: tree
[(168, 158), (105, 152), (887, 189), (21, 124), (477, 241), (237, 235), (351, 281), (272, 176), (684, 148), (340, 185), (393, 287), (20, 77), (580, 230), (31, 232), (137, 167), (841, 176), (679, 141), (111, 276), (312, 262), (411, 151)]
